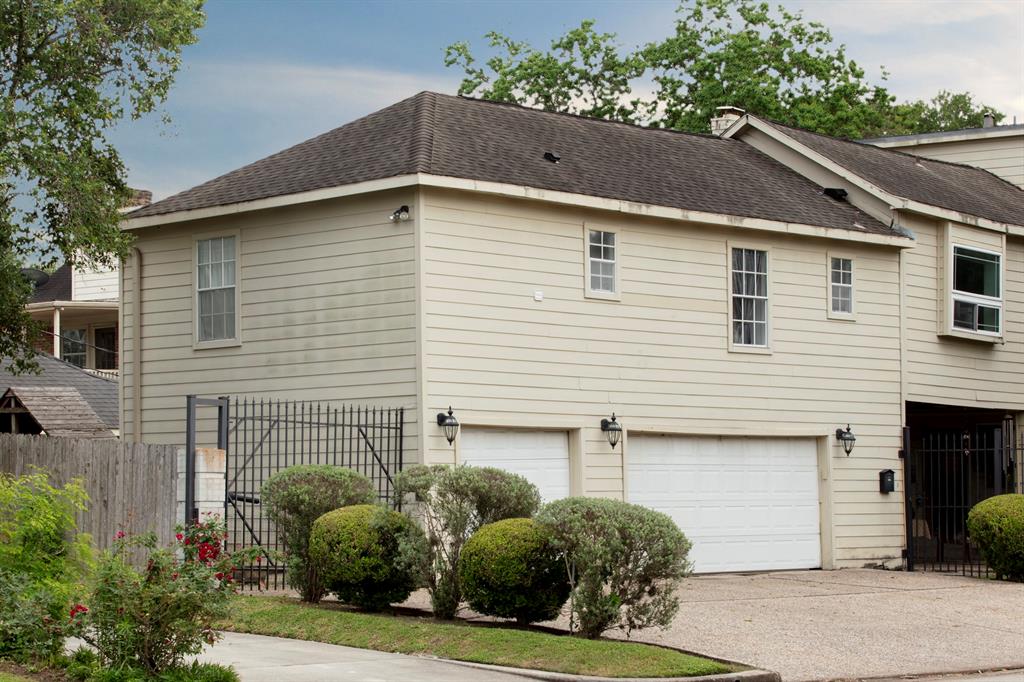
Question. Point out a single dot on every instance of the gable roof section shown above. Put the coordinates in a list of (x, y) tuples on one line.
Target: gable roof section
[(60, 411), (472, 139), (56, 288), (99, 393), (956, 187)]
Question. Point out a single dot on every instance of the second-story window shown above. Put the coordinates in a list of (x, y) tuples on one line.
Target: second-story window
[(977, 290), (602, 262), (841, 291), (749, 297), (215, 289)]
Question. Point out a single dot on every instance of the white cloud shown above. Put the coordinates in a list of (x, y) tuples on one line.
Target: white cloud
[(885, 16)]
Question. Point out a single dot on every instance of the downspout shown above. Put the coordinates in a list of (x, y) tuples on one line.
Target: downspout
[(137, 346)]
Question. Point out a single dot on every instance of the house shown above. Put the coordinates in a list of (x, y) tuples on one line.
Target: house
[(62, 400), (741, 309), (79, 309), (998, 149)]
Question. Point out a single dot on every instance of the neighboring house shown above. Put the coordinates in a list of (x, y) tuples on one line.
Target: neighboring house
[(61, 400), (79, 309), (996, 148), (539, 272)]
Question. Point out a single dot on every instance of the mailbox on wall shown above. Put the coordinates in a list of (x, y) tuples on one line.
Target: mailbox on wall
[(886, 481)]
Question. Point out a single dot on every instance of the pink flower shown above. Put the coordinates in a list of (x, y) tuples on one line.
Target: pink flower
[(179, 537), (119, 535)]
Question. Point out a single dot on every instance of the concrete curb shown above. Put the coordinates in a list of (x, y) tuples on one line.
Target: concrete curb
[(742, 676)]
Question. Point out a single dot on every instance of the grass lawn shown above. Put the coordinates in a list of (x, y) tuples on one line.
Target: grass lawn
[(11, 677), (519, 648)]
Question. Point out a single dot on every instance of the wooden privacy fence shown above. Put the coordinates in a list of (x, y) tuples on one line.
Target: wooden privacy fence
[(131, 486)]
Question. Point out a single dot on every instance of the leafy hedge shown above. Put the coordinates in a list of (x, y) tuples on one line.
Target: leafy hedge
[(997, 525), (510, 569), (295, 498)]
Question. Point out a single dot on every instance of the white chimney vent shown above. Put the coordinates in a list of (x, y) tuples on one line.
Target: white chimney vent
[(725, 118), (989, 121)]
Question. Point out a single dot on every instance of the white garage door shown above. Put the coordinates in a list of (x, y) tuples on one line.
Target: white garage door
[(746, 504), (542, 457)]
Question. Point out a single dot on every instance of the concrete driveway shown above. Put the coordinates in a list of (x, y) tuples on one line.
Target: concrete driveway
[(852, 623)]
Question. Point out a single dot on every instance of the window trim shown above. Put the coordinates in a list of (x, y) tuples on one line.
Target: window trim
[(588, 292), (833, 314), (769, 291), (953, 294), (219, 343)]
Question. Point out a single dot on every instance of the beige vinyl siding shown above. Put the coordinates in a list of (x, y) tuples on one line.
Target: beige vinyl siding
[(659, 358), (1003, 156), (954, 371), (94, 285), (327, 301)]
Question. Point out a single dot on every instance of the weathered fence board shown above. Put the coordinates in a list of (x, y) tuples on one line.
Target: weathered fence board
[(131, 486)]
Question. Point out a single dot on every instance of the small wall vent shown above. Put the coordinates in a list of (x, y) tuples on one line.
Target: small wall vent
[(837, 193)]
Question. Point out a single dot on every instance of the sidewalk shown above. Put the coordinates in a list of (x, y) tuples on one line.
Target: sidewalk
[(271, 659)]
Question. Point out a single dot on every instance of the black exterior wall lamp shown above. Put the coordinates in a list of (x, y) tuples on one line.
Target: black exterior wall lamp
[(846, 439), (449, 425), (612, 429)]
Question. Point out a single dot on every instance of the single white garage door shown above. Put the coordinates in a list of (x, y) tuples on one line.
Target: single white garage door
[(542, 457), (747, 504)]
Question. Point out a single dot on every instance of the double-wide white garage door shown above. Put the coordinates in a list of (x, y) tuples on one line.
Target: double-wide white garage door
[(746, 504), (541, 457)]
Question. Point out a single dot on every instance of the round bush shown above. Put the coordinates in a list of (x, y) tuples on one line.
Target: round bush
[(509, 569), (997, 525), (298, 496), (368, 556)]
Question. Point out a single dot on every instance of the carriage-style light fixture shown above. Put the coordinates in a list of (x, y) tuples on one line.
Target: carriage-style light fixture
[(846, 438), (449, 425), (613, 429)]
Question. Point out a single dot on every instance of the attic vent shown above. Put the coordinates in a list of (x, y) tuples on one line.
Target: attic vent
[(837, 193), (552, 157)]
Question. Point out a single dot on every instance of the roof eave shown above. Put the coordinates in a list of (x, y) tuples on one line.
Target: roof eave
[(895, 201), (524, 192)]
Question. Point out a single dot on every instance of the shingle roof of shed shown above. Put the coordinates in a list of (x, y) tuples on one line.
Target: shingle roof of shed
[(60, 411), (474, 139), (954, 186), (99, 393)]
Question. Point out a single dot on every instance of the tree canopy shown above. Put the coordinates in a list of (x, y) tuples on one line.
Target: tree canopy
[(69, 71), (742, 53)]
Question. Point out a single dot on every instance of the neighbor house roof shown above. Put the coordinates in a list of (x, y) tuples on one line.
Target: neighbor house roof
[(99, 393), (441, 135), (59, 410), (953, 186), (1009, 130), (56, 288)]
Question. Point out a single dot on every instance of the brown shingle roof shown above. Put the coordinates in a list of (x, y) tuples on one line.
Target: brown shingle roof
[(474, 139), (952, 186), (60, 411), (100, 393)]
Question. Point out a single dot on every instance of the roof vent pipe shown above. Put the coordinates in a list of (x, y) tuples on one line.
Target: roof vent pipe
[(990, 120)]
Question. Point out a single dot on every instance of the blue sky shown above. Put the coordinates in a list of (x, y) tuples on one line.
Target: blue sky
[(266, 75)]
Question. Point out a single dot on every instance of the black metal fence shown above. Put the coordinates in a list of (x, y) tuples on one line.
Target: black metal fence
[(948, 472), (266, 436)]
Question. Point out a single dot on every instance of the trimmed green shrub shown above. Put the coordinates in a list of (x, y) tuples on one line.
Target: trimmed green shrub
[(43, 562), (367, 555), (997, 526), (298, 496), (451, 504), (624, 563), (509, 569)]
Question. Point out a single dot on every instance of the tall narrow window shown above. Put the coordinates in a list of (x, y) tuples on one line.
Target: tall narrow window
[(72, 346), (750, 297), (842, 286), (977, 290), (602, 262), (215, 286)]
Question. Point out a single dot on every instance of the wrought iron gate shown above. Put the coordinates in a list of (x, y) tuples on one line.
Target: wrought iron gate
[(948, 472), (266, 436)]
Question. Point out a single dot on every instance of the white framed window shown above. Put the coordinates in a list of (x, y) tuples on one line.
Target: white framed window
[(602, 263), (73, 346), (977, 295), (840, 286), (216, 290), (749, 294)]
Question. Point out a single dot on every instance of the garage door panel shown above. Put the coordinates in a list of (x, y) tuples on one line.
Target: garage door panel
[(541, 457), (747, 504)]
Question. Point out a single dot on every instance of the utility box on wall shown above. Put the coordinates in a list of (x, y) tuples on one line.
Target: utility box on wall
[(886, 481)]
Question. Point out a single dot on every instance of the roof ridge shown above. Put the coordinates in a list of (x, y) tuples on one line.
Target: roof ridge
[(423, 131)]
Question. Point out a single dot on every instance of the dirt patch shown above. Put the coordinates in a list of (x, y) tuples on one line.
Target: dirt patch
[(42, 675)]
